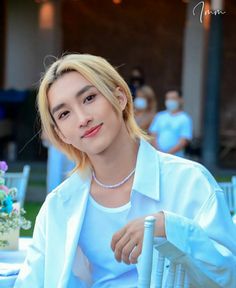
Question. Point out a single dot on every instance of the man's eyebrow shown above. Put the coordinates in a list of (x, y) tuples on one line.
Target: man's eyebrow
[(79, 93), (83, 90), (56, 108)]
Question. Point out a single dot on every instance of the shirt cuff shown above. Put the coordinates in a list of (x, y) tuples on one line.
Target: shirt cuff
[(174, 246)]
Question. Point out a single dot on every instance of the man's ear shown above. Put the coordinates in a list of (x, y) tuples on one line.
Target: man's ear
[(122, 98), (61, 135)]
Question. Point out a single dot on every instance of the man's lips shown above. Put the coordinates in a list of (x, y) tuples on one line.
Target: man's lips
[(92, 132)]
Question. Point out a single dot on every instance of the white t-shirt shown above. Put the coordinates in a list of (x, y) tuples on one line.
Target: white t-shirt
[(170, 128), (100, 224)]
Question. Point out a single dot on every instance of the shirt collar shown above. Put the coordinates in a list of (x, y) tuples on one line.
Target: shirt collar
[(147, 172), (73, 186), (146, 177)]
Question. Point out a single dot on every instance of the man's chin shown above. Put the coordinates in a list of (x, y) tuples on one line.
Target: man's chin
[(97, 153), (97, 150)]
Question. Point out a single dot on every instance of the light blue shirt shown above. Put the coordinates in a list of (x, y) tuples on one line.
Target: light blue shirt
[(200, 234), (170, 128), (105, 222)]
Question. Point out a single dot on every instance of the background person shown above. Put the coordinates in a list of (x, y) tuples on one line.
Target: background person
[(172, 128), (145, 105), (89, 231)]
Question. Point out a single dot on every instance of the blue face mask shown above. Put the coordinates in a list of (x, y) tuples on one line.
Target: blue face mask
[(140, 103), (172, 105)]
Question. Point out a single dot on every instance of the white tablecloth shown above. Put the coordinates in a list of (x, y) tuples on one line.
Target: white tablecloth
[(10, 263)]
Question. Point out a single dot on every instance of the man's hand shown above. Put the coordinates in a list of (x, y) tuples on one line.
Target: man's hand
[(127, 242), (180, 146)]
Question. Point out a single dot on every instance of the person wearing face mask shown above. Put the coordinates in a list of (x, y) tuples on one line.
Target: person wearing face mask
[(172, 128), (145, 106)]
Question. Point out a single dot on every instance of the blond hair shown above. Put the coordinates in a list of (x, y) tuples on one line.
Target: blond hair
[(105, 78)]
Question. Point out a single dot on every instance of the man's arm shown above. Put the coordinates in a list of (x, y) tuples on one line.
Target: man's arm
[(183, 142)]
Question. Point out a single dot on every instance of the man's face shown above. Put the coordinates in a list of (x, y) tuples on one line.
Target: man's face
[(173, 95), (84, 117), (173, 101)]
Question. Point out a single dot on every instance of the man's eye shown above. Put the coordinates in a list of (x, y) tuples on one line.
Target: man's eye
[(63, 115), (89, 98)]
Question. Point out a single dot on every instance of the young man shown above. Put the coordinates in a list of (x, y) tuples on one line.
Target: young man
[(89, 231), (172, 128)]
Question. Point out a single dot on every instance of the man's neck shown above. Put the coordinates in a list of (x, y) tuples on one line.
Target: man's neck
[(175, 112), (114, 164)]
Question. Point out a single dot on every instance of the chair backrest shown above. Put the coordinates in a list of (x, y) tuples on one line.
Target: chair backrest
[(229, 189), (152, 269), (18, 180)]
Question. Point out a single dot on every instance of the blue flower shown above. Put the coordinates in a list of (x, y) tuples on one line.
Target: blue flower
[(7, 205)]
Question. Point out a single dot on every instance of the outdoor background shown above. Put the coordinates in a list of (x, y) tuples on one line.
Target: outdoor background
[(173, 46)]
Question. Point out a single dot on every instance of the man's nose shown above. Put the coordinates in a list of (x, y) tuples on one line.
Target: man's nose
[(83, 118)]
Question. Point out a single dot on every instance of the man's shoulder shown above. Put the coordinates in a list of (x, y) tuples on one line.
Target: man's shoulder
[(65, 190), (169, 162), (185, 169), (185, 115), (161, 115)]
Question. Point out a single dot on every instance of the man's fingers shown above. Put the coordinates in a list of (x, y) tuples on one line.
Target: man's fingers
[(116, 238), (120, 246), (127, 250), (135, 253), (127, 242)]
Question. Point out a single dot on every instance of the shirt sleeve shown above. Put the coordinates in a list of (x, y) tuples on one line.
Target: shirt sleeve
[(205, 245), (187, 128), (154, 125)]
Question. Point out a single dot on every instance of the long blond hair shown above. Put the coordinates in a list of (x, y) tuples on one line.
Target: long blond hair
[(105, 78)]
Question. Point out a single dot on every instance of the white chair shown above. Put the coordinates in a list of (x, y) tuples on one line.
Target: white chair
[(18, 180), (151, 275), (229, 189)]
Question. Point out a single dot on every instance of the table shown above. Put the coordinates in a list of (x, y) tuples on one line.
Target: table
[(11, 261)]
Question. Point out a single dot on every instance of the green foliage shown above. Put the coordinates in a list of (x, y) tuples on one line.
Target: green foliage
[(32, 209), (223, 178)]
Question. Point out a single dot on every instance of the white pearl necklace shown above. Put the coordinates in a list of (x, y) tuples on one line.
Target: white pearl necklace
[(114, 185)]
